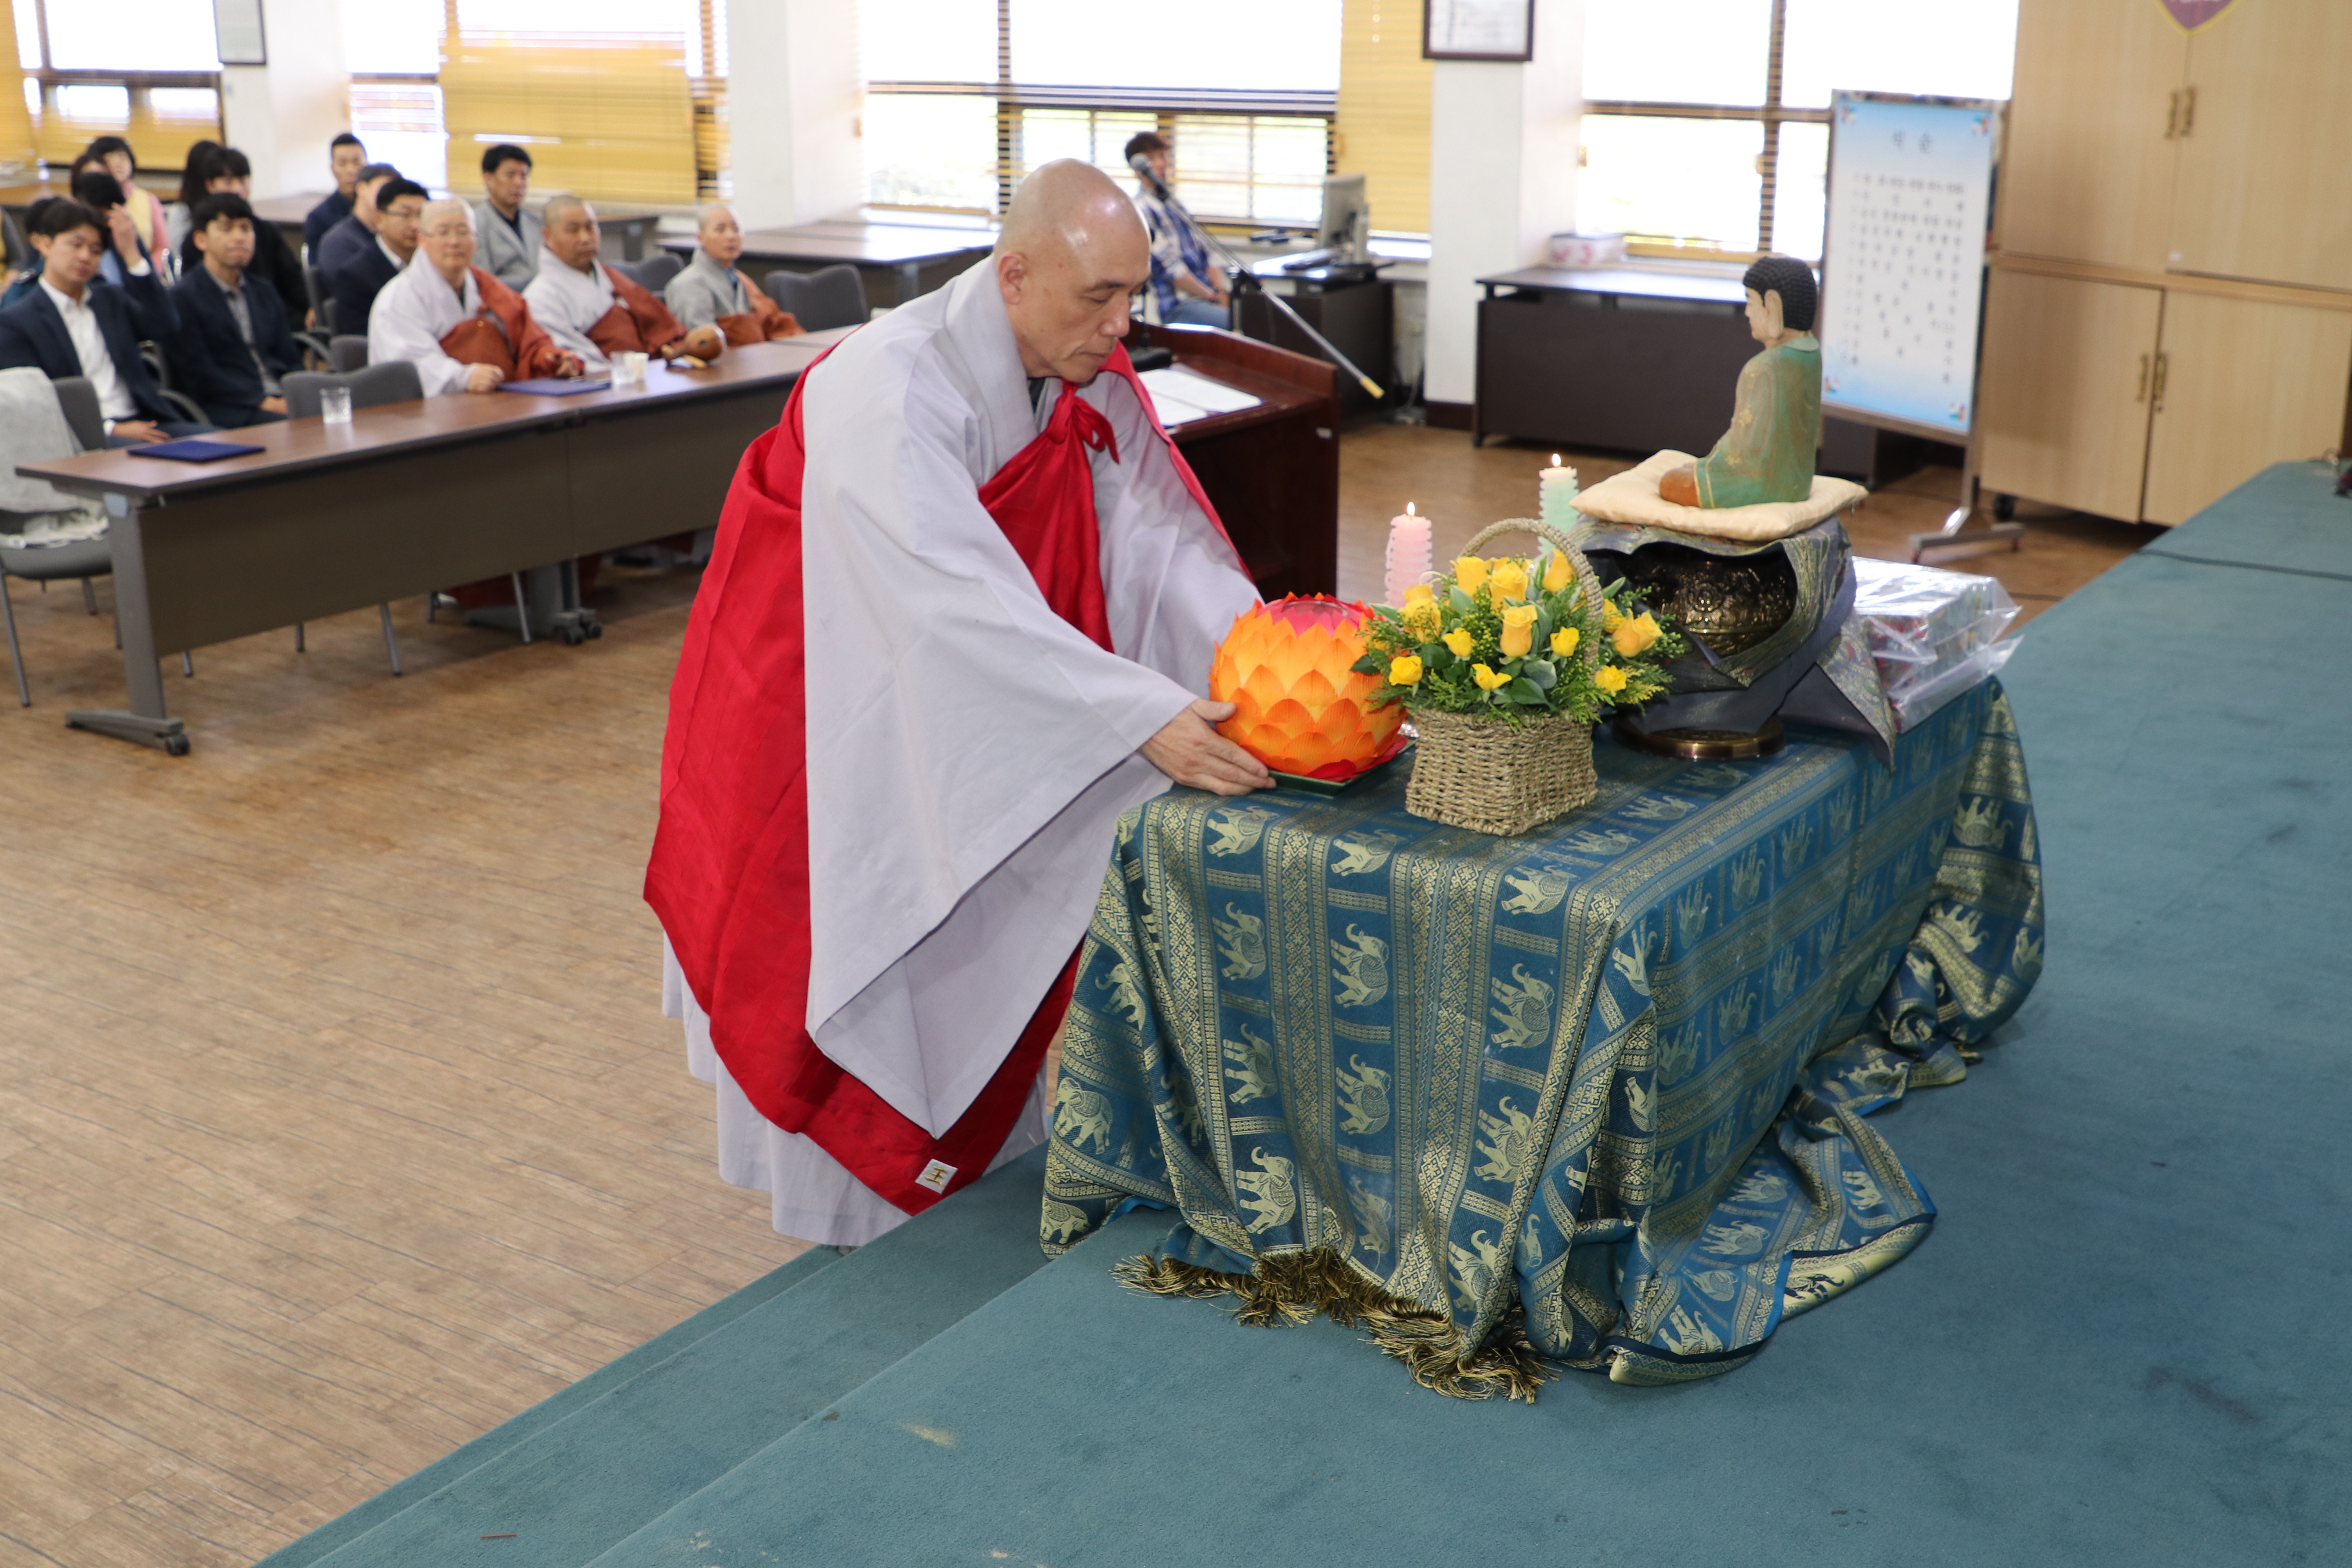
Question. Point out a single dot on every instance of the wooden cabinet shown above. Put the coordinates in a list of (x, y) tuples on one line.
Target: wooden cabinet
[(2087, 172), (2266, 122), (2242, 384), (2172, 303), (2067, 368)]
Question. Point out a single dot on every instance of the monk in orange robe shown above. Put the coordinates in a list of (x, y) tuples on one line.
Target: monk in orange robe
[(596, 310), (463, 329)]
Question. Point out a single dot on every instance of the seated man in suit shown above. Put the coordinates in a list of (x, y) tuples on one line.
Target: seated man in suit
[(274, 264), (596, 312), (28, 280), (463, 329), (507, 232), (711, 292), (354, 237), (346, 156), (233, 335), (69, 326), (394, 208)]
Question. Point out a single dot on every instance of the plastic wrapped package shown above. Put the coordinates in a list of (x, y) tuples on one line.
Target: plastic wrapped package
[(1933, 633)]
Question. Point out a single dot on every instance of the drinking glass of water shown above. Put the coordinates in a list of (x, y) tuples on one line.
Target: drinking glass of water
[(335, 405), (628, 369)]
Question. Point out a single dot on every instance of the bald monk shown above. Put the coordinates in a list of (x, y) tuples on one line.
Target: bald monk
[(595, 312), (710, 291), (880, 843), (463, 329)]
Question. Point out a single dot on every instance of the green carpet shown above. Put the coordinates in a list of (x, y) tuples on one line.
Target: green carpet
[(568, 1480), (2120, 1346)]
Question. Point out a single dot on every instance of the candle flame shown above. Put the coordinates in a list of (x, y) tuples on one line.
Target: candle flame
[(1408, 509), (1555, 459)]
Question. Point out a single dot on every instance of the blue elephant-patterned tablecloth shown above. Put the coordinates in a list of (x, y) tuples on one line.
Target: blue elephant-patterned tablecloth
[(1613, 1072)]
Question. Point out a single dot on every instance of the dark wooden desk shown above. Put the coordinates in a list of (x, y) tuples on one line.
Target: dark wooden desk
[(407, 498), (1272, 471), (897, 262), (1357, 314), (1610, 357), (1621, 357)]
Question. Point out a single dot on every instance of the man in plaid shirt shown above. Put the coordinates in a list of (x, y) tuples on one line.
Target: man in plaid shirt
[(1186, 289)]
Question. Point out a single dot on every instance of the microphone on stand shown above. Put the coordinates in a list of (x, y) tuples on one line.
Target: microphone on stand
[(1141, 164)]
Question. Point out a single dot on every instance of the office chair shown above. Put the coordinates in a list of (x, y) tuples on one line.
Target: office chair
[(84, 558), (347, 354), (159, 362), (395, 380), (654, 273), (830, 297)]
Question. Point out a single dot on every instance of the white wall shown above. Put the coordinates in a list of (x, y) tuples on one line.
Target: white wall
[(283, 115), (1502, 180), (794, 98)]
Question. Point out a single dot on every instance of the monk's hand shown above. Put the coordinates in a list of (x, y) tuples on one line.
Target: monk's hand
[(483, 377), (1679, 485), (1189, 749)]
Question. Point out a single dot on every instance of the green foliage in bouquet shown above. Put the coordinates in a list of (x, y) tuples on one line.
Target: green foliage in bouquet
[(1507, 637)]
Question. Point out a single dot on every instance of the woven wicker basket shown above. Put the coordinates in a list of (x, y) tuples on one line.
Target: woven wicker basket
[(1495, 777)]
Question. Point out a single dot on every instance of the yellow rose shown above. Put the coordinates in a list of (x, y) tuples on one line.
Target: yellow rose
[(1558, 574), (1609, 616), (1632, 636), (1564, 641), (1405, 670), (1459, 643), (1518, 630), (1422, 620), (1419, 593), (1469, 574), (1487, 680), (1609, 678), (1510, 579)]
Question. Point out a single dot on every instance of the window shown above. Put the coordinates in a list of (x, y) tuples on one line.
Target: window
[(1706, 121), (147, 70), (965, 98)]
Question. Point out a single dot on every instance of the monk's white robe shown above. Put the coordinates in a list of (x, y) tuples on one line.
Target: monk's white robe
[(568, 301), (968, 751), (415, 311)]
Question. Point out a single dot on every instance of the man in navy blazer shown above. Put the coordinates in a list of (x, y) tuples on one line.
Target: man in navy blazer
[(233, 330), (359, 272), (71, 326)]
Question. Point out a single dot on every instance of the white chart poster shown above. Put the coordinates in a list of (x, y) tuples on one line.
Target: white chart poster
[(1910, 199)]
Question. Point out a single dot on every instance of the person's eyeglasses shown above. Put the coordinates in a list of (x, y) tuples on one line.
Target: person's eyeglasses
[(446, 231)]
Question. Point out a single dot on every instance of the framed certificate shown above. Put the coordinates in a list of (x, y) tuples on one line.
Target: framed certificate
[(1478, 31), (237, 30)]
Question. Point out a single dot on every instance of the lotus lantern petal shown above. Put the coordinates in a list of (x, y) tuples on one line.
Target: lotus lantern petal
[(1299, 708)]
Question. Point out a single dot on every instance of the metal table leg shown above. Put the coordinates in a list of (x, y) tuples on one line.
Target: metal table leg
[(145, 720)]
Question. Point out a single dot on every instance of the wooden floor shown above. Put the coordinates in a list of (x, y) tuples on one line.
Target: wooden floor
[(338, 1121)]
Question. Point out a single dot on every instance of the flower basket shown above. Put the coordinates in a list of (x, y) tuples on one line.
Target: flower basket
[(1494, 777), (1504, 669)]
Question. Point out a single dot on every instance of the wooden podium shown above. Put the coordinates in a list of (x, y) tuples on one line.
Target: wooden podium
[(1271, 471)]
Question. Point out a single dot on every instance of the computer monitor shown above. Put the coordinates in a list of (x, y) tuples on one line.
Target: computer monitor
[(1345, 213)]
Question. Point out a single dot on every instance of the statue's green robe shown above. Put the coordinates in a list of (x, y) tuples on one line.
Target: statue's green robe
[(1768, 452)]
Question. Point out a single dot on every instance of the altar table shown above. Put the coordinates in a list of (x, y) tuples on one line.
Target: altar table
[(1597, 1089)]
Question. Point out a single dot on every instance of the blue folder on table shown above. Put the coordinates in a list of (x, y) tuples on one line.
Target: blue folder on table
[(192, 450), (552, 386)]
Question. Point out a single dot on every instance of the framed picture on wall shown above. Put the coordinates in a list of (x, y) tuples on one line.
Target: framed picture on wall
[(237, 29), (1478, 31)]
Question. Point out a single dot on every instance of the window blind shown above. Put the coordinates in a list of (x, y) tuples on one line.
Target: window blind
[(1383, 128), (602, 114)]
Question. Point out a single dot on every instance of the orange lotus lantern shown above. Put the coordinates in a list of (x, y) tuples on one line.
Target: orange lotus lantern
[(1300, 710)]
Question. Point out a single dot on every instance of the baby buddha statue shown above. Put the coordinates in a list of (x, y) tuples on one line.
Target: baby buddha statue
[(1776, 426)]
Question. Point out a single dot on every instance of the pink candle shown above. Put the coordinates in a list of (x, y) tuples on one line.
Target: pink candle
[(1409, 560)]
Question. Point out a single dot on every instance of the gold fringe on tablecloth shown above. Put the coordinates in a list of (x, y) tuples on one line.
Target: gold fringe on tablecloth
[(1286, 1291)]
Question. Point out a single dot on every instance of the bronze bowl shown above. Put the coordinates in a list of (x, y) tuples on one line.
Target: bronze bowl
[(1731, 602)]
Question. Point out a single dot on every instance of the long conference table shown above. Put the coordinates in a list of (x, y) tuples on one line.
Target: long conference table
[(406, 499), (413, 496)]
